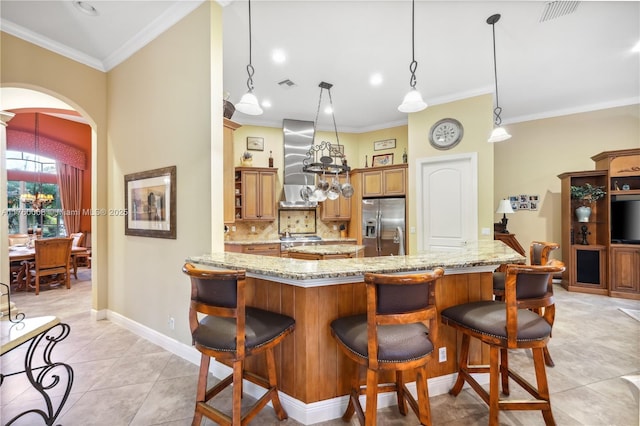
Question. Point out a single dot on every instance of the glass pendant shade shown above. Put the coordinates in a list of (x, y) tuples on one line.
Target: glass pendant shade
[(249, 104), (499, 134), (412, 102)]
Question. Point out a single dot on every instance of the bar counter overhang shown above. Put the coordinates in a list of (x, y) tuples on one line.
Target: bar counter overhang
[(314, 376)]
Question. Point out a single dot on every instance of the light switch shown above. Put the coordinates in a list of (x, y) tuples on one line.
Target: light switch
[(486, 231)]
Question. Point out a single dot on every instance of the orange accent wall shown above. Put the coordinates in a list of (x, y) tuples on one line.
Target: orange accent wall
[(66, 131)]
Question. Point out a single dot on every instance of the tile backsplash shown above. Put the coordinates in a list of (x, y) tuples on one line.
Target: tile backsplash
[(298, 221)]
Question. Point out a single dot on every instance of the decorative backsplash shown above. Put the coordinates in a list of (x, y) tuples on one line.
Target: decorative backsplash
[(297, 221), (269, 230)]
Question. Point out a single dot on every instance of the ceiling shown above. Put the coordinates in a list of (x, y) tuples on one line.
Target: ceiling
[(577, 62)]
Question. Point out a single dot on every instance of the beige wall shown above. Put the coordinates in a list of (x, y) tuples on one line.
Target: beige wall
[(24, 65), (160, 114), (540, 150), (475, 116)]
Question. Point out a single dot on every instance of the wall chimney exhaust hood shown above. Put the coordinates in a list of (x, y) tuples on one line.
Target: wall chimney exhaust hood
[(298, 139)]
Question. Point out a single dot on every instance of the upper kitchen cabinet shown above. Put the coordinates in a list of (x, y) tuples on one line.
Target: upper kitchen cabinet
[(384, 181), (338, 209), (255, 193), (227, 174)]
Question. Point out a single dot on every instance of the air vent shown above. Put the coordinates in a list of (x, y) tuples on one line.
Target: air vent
[(556, 9), (286, 83)]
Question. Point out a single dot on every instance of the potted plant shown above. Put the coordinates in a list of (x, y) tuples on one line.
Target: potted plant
[(586, 195), (246, 159)]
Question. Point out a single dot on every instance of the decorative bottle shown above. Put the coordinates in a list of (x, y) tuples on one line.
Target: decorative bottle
[(404, 156), (270, 159)]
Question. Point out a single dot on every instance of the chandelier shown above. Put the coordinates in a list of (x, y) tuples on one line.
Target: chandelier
[(327, 158), (39, 200)]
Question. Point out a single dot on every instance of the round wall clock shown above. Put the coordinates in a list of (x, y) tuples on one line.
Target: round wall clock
[(446, 133)]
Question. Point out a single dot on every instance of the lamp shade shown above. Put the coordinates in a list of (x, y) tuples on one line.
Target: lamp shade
[(504, 207), (249, 104), (499, 134), (412, 102)]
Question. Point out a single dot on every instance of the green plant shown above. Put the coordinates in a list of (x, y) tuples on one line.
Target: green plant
[(587, 193)]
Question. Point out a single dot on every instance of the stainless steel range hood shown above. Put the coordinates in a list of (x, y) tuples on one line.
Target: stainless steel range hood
[(298, 139)]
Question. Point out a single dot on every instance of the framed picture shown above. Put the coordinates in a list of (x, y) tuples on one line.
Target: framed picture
[(339, 148), (150, 200), (385, 144), (382, 160), (255, 144)]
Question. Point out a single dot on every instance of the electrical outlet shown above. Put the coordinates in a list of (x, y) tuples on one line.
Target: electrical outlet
[(172, 323), (233, 228), (412, 230), (335, 227), (442, 354), (253, 229), (486, 231)]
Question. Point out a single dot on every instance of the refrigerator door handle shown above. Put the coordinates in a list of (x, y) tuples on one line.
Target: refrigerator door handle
[(379, 236)]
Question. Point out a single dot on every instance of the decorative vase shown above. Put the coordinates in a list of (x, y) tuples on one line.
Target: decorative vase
[(246, 162), (583, 213)]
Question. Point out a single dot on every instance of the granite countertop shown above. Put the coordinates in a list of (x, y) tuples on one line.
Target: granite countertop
[(277, 240), (480, 256), (327, 249)]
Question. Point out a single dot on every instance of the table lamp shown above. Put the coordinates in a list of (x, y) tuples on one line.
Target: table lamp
[(504, 207)]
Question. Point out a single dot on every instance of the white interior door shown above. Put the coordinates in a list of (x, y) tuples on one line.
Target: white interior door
[(447, 205)]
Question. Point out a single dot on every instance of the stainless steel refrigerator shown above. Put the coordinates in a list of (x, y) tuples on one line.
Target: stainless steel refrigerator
[(383, 226)]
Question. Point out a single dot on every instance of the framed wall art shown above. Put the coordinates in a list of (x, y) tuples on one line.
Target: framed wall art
[(255, 143), (382, 160), (150, 200), (384, 144)]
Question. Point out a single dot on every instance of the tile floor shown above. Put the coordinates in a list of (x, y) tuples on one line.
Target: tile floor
[(122, 379)]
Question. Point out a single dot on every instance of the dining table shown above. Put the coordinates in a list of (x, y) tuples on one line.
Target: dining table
[(23, 254)]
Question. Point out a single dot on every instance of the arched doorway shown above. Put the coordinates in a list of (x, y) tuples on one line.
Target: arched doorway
[(36, 101)]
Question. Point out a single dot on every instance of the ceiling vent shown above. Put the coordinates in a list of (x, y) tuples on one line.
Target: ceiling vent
[(556, 9), (286, 84)]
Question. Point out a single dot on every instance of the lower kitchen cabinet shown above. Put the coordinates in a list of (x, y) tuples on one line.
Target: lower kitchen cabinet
[(268, 249)]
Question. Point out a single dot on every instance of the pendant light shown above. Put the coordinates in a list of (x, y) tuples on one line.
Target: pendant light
[(249, 103), (498, 134), (413, 100)]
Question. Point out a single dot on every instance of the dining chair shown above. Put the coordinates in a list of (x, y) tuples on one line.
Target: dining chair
[(391, 336), (16, 268), (508, 325), (79, 258), (52, 261), (230, 331)]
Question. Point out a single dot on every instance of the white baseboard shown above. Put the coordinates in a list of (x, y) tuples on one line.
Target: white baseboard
[(301, 412)]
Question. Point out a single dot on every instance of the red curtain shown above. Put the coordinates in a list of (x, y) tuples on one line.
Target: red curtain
[(70, 187)]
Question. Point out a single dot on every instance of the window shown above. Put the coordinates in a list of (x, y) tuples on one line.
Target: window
[(21, 217)]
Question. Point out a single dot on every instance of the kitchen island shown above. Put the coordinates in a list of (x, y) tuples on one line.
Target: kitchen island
[(325, 252), (311, 367)]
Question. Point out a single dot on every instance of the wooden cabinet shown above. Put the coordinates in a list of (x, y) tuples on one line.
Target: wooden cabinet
[(625, 270), (263, 249), (338, 209), (227, 174), (584, 245), (605, 264), (385, 181), (255, 193)]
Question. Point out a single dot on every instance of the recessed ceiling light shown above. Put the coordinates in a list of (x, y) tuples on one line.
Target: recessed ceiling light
[(85, 7), (328, 110), (266, 103), (278, 56), (375, 79), (636, 48)]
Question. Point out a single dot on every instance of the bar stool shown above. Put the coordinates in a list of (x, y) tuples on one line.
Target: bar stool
[(391, 336), (231, 332), (504, 325)]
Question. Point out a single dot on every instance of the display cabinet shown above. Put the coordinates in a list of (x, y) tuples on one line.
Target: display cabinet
[(604, 253), (584, 243)]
